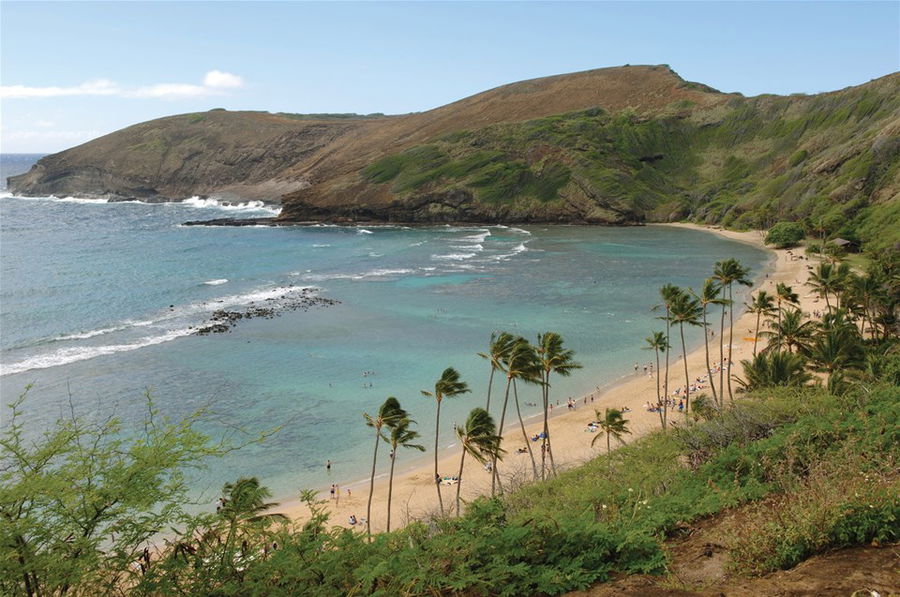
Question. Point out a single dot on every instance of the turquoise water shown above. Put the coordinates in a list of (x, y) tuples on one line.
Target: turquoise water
[(97, 300)]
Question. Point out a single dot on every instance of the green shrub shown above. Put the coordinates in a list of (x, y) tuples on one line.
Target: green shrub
[(785, 234)]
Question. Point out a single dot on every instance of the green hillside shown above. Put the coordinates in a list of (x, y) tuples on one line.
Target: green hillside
[(831, 161)]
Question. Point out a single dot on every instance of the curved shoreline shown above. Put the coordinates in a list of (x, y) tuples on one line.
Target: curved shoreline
[(413, 487)]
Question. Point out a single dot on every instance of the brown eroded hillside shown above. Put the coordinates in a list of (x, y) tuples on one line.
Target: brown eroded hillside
[(264, 156)]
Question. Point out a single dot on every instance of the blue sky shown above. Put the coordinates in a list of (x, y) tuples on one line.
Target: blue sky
[(72, 71)]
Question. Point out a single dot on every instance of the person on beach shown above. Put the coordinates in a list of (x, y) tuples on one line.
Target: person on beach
[(328, 466), (352, 520), (332, 490)]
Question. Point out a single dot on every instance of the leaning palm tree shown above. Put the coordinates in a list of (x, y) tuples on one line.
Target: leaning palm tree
[(791, 333), (521, 363), (785, 294), (499, 347), (657, 343), (479, 438), (685, 310), (709, 295), (388, 412), (613, 425), (727, 273), (669, 293), (761, 304), (400, 436), (553, 359), (245, 502), (448, 386)]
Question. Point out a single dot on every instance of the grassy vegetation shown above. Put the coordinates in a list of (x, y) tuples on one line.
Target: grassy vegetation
[(823, 161), (825, 464)]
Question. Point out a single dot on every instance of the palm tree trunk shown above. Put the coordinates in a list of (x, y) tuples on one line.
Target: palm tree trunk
[(666, 382), (687, 379), (372, 484), (608, 453), (730, 339), (545, 398), (722, 357), (437, 477), (658, 401), (709, 375), (487, 405), (459, 482), (495, 477), (524, 433), (547, 440), (756, 335), (391, 486)]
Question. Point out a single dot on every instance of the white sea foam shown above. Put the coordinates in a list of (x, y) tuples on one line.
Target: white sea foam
[(520, 248), (364, 231), (476, 238), (418, 244), (520, 231), (380, 273), (478, 248), (453, 256), (216, 282), (102, 331), (229, 206), (320, 246), (64, 356), (375, 273)]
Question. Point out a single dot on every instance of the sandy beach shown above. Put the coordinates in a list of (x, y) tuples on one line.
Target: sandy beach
[(414, 494)]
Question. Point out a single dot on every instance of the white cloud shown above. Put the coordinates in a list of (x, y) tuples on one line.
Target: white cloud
[(214, 83), (98, 87), (44, 123), (219, 79)]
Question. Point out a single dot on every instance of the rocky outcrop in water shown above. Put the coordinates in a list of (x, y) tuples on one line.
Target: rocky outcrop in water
[(223, 320)]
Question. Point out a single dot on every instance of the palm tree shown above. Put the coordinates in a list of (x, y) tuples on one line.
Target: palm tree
[(479, 438), (521, 363), (791, 333), (838, 346), (669, 293), (867, 290), (553, 358), (761, 304), (245, 502), (388, 412), (614, 425), (448, 386), (685, 310), (785, 294), (499, 347), (727, 273), (709, 295), (400, 436), (825, 280), (774, 368), (657, 343)]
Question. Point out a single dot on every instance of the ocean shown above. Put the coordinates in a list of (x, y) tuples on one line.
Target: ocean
[(100, 302)]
